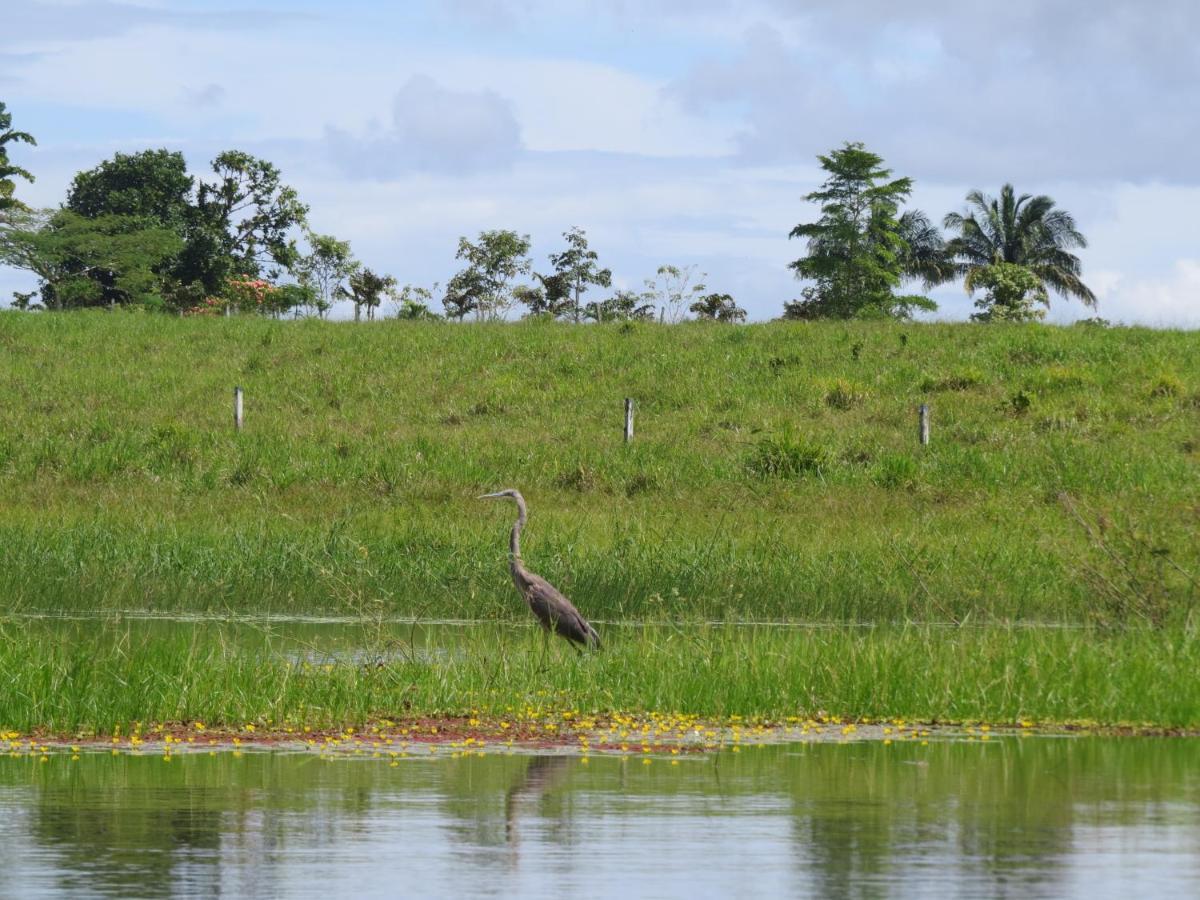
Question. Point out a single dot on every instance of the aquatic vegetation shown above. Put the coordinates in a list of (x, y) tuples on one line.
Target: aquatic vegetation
[(98, 679)]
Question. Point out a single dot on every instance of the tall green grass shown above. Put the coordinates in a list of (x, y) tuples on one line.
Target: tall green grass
[(94, 678), (774, 473)]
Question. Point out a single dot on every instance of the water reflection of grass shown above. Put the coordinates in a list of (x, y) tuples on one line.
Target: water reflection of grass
[(95, 676)]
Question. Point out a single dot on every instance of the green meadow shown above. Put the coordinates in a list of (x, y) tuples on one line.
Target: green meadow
[(774, 476)]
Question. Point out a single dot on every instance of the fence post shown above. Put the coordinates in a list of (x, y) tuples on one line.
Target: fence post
[(923, 419), (237, 408), (628, 419)]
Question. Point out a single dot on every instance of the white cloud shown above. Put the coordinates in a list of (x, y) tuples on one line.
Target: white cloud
[(432, 129), (1170, 301)]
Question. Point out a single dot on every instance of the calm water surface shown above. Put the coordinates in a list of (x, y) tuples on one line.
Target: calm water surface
[(1031, 817)]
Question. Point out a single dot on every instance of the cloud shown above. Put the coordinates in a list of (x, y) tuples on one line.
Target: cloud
[(435, 130), (1174, 300), (29, 22), (972, 91), (205, 97)]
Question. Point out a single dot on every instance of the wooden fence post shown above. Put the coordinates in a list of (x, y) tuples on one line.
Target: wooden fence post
[(923, 419), (237, 408), (628, 419)]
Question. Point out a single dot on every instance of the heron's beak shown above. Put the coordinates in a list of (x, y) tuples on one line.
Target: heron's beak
[(488, 496)]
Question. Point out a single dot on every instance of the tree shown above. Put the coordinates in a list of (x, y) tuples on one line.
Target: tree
[(150, 188), (1024, 231), (247, 215), (484, 286), (575, 269), (719, 308), (412, 303), (1010, 293), (325, 269), (153, 185), (620, 307), (8, 171), (857, 251), (366, 289), (234, 226), (673, 289), (68, 252), (551, 298)]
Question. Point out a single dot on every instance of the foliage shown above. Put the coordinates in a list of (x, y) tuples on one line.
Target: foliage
[(325, 269), (719, 308), (153, 185), (1010, 292), (620, 307), (366, 289), (251, 214), (575, 269), (412, 303), (233, 226), (552, 298), (8, 170), (484, 286), (88, 262), (1024, 231), (857, 251), (673, 289)]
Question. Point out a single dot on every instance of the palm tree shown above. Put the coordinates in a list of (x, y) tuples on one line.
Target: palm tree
[(1025, 231), (7, 171)]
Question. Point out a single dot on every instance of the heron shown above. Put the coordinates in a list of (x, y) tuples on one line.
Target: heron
[(556, 613)]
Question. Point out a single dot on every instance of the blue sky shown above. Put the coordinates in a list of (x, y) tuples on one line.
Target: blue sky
[(673, 131)]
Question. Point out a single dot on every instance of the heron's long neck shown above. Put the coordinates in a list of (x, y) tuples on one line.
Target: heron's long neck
[(514, 542)]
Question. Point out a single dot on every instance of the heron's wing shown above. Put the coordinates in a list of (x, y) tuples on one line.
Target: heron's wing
[(556, 612)]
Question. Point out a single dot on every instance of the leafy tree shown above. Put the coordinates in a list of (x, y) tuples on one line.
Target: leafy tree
[(1024, 231), (366, 289), (68, 251), (247, 215), (151, 188), (484, 286), (237, 224), (325, 269), (412, 303), (674, 289), (857, 251), (575, 269), (1010, 292), (719, 308), (153, 185), (8, 171), (621, 306), (463, 291), (552, 296)]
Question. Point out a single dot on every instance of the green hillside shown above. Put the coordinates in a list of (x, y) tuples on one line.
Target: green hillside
[(774, 474)]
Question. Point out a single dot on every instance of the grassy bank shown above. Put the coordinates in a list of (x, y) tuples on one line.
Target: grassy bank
[(774, 473), (94, 679)]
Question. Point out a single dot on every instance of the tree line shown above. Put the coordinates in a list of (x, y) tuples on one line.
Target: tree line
[(139, 230)]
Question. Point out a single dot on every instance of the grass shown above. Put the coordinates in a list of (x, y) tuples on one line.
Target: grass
[(93, 679), (774, 476)]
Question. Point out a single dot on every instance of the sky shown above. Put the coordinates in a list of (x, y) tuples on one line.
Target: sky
[(679, 132)]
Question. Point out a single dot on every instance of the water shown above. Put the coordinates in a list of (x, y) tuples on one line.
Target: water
[(1020, 817)]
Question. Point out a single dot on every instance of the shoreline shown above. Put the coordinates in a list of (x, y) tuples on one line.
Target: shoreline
[(648, 736)]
